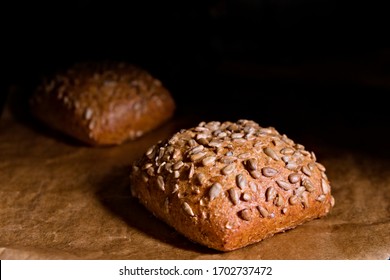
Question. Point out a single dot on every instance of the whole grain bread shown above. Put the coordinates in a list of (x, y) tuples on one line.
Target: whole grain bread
[(231, 184), (102, 103)]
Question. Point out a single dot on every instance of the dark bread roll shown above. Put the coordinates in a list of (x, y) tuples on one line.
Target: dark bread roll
[(102, 103), (227, 185)]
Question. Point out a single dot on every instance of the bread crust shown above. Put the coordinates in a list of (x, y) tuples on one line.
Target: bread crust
[(228, 185), (102, 103)]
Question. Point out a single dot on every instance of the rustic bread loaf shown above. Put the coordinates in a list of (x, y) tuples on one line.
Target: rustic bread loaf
[(227, 185), (102, 103)]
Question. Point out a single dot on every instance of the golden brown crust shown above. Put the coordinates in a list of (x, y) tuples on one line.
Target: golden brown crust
[(227, 185), (103, 103)]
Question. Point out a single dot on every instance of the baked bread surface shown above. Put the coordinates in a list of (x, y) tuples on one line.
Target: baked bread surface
[(231, 184), (102, 103)]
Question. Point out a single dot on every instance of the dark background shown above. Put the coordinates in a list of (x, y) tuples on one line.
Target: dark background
[(306, 67)]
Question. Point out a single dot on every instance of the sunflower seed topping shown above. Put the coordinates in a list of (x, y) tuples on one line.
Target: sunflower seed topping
[(293, 200), (178, 165), (321, 167), (325, 186), (245, 214), (269, 171), (234, 195), (255, 174), (200, 178), (283, 184), (228, 169), (294, 178), (251, 164), (287, 151), (292, 166), (253, 186), (246, 196), (241, 181), (160, 183), (263, 211), (332, 201), (306, 170), (215, 190), (270, 194), (271, 153), (308, 185), (208, 161), (321, 198), (187, 208), (191, 171)]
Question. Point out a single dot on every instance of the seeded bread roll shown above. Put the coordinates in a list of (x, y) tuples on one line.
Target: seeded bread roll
[(227, 185), (103, 103)]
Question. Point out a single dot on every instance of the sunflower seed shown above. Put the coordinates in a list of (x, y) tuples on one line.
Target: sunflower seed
[(292, 166), (279, 201), (208, 161), (308, 185), (215, 190), (88, 113), (147, 165), (150, 151), (293, 200), (245, 214), (287, 151), (269, 171), (175, 188), (246, 196), (325, 186), (197, 156), (263, 211), (294, 178), (255, 174), (215, 143), (228, 169), (305, 199), (251, 164), (241, 181), (200, 178), (270, 194), (176, 174), (228, 226), (332, 201), (244, 156), (178, 165), (196, 149), (271, 153), (176, 154), (237, 135), (203, 141), (283, 184), (321, 198), (284, 210), (150, 171), (187, 209), (191, 171), (321, 167), (160, 183), (234, 195), (299, 191), (306, 170), (191, 143), (253, 186)]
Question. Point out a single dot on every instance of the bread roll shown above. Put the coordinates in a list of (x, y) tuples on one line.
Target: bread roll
[(102, 103), (227, 185)]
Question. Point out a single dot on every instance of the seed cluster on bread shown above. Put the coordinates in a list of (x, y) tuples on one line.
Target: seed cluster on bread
[(102, 103), (227, 185)]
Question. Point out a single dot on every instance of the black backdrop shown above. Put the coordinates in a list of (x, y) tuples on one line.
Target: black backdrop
[(201, 51)]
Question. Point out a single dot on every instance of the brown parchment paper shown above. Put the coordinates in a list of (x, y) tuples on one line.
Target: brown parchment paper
[(63, 200)]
